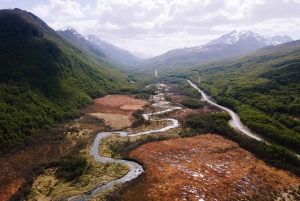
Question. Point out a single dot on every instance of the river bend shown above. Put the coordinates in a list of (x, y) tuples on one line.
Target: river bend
[(135, 168)]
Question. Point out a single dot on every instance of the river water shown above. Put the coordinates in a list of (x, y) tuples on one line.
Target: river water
[(135, 168)]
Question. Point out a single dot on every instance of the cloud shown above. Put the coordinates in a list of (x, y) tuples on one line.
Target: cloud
[(161, 25), (166, 17), (60, 10)]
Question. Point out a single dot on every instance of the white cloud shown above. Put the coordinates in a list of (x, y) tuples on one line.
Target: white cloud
[(60, 10), (160, 25)]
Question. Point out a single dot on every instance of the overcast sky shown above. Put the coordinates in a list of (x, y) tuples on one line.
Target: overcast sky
[(156, 26)]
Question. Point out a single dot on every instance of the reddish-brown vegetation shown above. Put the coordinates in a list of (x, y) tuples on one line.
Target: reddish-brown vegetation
[(16, 168), (206, 167), (181, 114), (116, 110), (116, 104), (53, 144)]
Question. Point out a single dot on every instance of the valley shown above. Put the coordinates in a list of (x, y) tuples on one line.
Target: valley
[(180, 168), (83, 119), (195, 166)]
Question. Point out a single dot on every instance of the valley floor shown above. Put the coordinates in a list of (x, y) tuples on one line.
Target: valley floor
[(205, 167)]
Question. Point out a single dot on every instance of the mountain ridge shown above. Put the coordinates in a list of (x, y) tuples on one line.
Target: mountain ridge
[(97, 45), (45, 78), (115, 52), (228, 45)]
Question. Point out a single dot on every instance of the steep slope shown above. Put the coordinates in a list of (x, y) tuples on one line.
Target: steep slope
[(229, 45), (262, 87), (76, 38), (115, 52), (45, 78)]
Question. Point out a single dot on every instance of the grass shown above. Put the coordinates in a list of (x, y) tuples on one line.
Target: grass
[(47, 186)]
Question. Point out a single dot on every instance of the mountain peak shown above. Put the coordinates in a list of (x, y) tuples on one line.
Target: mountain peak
[(72, 31), (235, 37), (101, 43), (283, 39), (21, 24)]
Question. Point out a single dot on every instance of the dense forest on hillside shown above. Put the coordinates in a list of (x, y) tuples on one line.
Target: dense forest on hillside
[(44, 78), (263, 88)]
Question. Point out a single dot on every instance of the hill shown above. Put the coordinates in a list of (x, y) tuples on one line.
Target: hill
[(262, 87), (44, 78)]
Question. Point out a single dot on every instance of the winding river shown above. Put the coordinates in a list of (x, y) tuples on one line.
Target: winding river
[(135, 168)]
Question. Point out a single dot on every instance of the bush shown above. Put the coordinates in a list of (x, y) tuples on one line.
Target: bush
[(192, 103), (72, 166), (138, 114)]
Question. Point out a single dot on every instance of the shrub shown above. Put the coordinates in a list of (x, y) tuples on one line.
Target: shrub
[(192, 103), (72, 166)]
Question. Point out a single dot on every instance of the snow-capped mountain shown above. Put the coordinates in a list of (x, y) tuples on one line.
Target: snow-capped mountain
[(234, 37), (283, 39), (75, 37), (117, 53), (74, 32), (229, 45), (100, 47), (101, 43)]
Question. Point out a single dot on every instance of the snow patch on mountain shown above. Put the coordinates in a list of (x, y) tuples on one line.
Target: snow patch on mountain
[(101, 43), (235, 37), (73, 31)]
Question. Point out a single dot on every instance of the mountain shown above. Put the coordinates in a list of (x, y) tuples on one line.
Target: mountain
[(141, 55), (75, 37), (229, 45), (249, 38), (115, 52), (45, 78), (282, 39)]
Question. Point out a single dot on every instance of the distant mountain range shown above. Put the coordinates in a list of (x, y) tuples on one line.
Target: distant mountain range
[(115, 52), (229, 45), (100, 47), (141, 55)]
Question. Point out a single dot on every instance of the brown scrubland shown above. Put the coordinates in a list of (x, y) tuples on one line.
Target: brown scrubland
[(205, 167)]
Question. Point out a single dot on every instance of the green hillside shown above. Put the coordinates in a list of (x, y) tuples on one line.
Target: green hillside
[(44, 78), (263, 88)]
